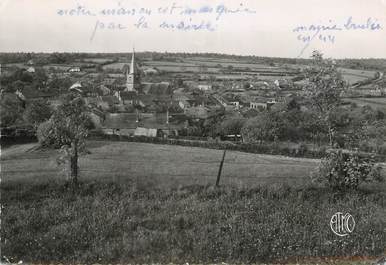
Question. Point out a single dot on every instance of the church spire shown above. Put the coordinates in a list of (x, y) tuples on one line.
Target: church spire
[(132, 75), (132, 65)]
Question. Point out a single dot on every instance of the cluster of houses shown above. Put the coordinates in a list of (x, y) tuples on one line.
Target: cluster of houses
[(133, 107), (124, 105)]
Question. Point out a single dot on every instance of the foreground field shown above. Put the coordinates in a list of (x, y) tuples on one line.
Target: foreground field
[(114, 222), (145, 203), (158, 165)]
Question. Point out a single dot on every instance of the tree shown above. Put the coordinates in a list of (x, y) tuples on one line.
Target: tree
[(37, 112), (67, 129), (324, 89), (10, 110), (261, 128), (232, 125)]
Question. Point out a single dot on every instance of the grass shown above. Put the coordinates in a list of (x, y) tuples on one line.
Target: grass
[(143, 203), (355, 75), (110, 222), (163, 165), (376, 103)]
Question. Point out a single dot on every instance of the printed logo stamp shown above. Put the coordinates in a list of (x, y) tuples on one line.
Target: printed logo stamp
[(342, 224)]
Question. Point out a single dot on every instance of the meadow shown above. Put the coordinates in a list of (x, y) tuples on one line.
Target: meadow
[(215, 66), (160, 165), (376, 103), (356, 75), (146, 203)]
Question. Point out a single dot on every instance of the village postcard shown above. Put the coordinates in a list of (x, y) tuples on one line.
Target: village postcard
[(193, 132)]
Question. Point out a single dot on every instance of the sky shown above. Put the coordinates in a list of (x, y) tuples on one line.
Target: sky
[(274, 28)]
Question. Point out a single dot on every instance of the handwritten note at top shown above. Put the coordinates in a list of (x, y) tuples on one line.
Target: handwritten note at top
[(326, 32), (171, 16)]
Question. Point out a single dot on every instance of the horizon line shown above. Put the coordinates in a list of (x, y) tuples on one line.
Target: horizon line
[(175, 52)]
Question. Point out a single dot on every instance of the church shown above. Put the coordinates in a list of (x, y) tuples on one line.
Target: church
[(133, 78), (142, 98)]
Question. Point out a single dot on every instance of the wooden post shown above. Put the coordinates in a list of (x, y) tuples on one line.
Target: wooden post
[(74, 163), (220, 169)]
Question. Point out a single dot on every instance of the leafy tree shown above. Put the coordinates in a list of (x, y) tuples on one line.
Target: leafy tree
[(37, 112), (230, 126), (260, 128), (40, 78), (10, 110), (324, 89), (67, 129)]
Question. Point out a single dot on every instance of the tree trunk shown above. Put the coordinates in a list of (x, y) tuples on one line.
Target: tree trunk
[(74, 163)]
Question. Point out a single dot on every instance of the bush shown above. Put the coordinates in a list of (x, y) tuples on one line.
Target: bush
[(344, 170)]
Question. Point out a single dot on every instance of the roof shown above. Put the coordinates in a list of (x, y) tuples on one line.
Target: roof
[(162, 88), (199, 112), (128, 95), (110, 99), (140, 131), (146, 99), (76, 85), (182, 97)]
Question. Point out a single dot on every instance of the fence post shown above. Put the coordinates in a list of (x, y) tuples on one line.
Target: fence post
[(220, 169)]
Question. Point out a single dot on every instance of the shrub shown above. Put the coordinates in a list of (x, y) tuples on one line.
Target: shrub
[(343, 170)]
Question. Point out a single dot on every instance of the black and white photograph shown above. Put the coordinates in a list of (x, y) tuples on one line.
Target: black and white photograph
[(193, 132)]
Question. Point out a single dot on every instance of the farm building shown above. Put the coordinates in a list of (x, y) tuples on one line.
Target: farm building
[(261, 104), (128, 124)]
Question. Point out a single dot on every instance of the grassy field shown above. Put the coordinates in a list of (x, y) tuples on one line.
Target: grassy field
[(146, 203), (211, 66), (159, 165), (355, 75), (126, 222), (376, 103)]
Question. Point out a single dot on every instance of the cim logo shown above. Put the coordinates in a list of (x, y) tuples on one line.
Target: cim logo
[(342, 224)]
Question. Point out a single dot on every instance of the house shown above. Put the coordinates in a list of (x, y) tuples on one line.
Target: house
[(74, 69), (140, 131), (261, 104), (77, 86), (30, 69), (150, 71), (183, 100), (235, 103), (204, 87)]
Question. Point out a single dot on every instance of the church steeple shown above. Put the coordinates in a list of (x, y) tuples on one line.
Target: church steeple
[(132, 65), (131, 76)]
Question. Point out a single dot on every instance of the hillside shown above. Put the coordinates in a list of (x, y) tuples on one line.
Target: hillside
[(158, 165)]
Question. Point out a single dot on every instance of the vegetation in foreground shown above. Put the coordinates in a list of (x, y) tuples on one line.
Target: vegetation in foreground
[(128, 222)]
